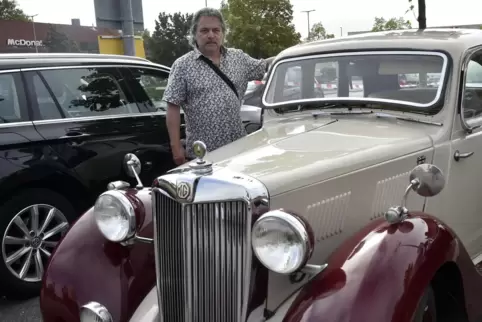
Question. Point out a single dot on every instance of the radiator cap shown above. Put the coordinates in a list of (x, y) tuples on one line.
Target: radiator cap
[(199, 165)]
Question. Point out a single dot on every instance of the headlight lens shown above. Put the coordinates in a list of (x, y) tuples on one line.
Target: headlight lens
[(115, 216), (281, 242)]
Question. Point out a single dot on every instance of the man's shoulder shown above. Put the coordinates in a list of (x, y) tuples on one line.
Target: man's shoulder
[(235, 52), (185, 59)]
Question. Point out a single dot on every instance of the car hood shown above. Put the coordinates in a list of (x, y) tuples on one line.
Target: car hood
[(295, 152)]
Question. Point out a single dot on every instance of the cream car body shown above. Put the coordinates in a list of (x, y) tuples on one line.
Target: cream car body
[(341, 172)]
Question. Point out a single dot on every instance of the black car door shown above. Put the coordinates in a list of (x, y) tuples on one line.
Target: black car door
[(91, 119), (147, 85)]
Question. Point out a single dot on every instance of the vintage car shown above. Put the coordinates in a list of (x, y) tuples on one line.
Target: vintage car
[(357, 206)]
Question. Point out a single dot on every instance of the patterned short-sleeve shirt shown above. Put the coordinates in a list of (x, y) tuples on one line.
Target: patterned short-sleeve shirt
[(212, 111)]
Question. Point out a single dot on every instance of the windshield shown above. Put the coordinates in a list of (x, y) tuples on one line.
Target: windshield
[(412, 81)]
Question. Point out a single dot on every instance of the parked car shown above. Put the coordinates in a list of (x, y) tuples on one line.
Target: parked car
[(338, 209), (66, 123)]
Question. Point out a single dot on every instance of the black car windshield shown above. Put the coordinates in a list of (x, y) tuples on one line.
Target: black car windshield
[(410, 81)]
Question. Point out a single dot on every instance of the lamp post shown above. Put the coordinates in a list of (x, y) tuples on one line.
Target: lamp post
[(308, 16), (34, 34)]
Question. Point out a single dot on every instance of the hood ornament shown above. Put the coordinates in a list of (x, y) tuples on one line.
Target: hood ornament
[(199, 165)]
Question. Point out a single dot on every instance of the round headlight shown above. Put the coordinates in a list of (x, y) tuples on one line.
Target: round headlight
[(281, 242), (115, 216), (94, 312)]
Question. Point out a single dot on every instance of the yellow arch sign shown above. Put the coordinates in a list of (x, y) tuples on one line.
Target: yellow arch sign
[(114, 45)]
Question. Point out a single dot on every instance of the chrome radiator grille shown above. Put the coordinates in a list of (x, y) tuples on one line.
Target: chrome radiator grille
[(202, 254)]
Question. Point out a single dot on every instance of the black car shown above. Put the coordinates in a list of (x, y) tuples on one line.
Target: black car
[(66, 123)]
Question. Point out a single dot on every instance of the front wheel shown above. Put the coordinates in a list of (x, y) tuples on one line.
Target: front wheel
[(31, 225), (426, 310)]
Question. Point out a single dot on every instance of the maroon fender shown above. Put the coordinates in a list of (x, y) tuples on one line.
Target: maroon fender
[(87, 267), (380, 273)]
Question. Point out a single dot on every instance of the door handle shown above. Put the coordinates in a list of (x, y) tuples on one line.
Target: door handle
[(183, 126), (458, 155), (72, 135)]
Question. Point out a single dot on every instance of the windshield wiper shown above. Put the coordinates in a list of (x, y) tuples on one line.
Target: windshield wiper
[(326, 113), (407, 118)]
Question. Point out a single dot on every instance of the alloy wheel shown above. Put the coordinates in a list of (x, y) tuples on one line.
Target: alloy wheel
[(30, 238)]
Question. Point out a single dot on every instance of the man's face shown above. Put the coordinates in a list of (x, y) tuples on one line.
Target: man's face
[(209, 35)]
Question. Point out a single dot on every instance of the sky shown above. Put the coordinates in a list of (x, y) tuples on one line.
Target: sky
[(337, 16)]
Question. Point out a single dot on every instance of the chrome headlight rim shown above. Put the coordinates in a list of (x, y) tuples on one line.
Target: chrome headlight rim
[(95, 309), (298, 226), (127, 206)]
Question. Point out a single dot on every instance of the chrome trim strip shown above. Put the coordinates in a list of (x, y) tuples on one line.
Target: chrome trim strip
[(359, 53), (4, 71), (222, 185), (15, 124), (98, 65), (95, 118)]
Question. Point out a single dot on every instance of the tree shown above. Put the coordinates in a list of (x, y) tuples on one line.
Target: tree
[(58, 42), (422, 16), (261, 28), (169, 40), (381, 24), (9, 11), (318, 32)]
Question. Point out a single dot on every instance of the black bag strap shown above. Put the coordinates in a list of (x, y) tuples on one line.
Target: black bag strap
[(220, 74)]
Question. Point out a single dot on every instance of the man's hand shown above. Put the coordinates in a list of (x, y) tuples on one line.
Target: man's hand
[(178, 154)]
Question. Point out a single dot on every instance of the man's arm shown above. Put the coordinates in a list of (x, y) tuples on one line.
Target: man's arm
[(173, 122), (255, 68), (175, 96)]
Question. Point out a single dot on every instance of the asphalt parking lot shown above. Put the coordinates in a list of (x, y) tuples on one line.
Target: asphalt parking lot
[(25, 311)]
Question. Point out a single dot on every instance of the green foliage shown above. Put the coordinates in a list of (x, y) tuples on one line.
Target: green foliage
[(381, 24), (58, 42), (261, 28), (169, 40), (9, 11), (318, 32)]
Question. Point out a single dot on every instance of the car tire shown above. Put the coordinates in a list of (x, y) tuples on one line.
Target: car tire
[(426, 310), (21, 278)]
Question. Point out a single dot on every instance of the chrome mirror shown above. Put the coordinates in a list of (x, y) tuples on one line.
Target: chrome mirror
[(427, 180), (132, 166)]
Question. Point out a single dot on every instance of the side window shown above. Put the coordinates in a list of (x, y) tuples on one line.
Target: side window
[(9, 102), (82, 92), (472, 95), (148, 86)]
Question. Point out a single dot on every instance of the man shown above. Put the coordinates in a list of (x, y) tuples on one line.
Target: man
[(210, 103)]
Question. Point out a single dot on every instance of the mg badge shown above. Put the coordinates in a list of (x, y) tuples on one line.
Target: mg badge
[(183, 190)]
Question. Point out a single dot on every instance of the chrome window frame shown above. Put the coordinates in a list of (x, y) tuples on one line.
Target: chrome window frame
[(443, 78), (100, 117), (477, 121)]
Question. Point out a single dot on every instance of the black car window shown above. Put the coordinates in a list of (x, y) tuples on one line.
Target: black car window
[(82, 92), (148, 86), (9, 102)]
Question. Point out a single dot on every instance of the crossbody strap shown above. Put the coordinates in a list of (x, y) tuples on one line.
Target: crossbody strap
[(220, 74)]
